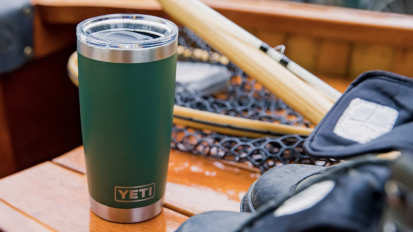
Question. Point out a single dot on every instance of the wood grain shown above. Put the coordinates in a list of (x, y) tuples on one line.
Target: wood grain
[(7, 159), (403, 62), (51, 35), (42, 110), (366, 57), (50, 38), (319, 21), (338, 82), (74, 160), (13, 220), (227, 123), (272, 38), (333, 57), (303, 50), (55, 21), (195, 184), (252, 31), (277, 16), (58, 197)]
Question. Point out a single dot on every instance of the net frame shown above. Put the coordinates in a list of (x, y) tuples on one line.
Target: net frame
[(244, 97)]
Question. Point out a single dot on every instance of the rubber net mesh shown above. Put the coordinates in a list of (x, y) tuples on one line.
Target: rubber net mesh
[(245, 98)]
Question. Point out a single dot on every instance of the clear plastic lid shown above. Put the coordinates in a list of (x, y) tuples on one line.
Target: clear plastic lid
[(126, 31)]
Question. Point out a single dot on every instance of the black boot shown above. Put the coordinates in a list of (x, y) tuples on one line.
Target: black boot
[(276, 184), (348, 197)]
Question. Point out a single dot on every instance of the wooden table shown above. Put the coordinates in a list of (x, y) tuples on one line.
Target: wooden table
[(53, 196)]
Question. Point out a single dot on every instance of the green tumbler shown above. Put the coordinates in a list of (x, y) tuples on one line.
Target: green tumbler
[(127, 68)]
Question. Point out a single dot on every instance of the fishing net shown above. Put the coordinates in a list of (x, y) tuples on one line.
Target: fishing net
[(245, 98)]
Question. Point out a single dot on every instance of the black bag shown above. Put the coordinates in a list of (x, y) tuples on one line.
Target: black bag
[(374, 115)]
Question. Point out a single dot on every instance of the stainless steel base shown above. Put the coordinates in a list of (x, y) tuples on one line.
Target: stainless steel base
[(126, 215)]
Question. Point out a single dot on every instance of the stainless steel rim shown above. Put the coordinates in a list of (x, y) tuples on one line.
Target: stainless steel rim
[(127, 56), (126, 215)]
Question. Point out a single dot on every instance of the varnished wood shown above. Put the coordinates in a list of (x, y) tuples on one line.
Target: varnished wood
[(58, 198), (223, 121), (52, 34), (334, 31), (50, 38), (338, 82), (403, 60), (74, 160), (366, 57), (333, 57), (13, 220), (317, 20), (41, 110), (7, 158), (272, 38), (195, 184), (198, 185), (314, 20), (303, 50)]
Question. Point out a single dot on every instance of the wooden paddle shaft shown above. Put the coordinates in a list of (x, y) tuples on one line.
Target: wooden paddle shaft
[(285, 85), (234, 125), (249, 38)]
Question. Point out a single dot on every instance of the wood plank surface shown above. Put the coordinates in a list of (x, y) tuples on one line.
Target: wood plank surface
[(50, 38), (42, 116), (58, 197), (303, 50), (403, 62), (272, 38), (333, 57), (13, 220), (195, 184), (367, 57), (319, 21)]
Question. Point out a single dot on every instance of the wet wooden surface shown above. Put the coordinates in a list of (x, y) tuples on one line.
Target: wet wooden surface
[(53, 196), (194, 184), (57, 199)]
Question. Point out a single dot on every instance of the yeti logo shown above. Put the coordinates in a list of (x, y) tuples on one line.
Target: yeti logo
[(134, 194)]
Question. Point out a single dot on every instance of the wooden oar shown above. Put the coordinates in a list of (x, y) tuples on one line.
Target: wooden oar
[(237, 31), (233, 125), (285, 85)]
